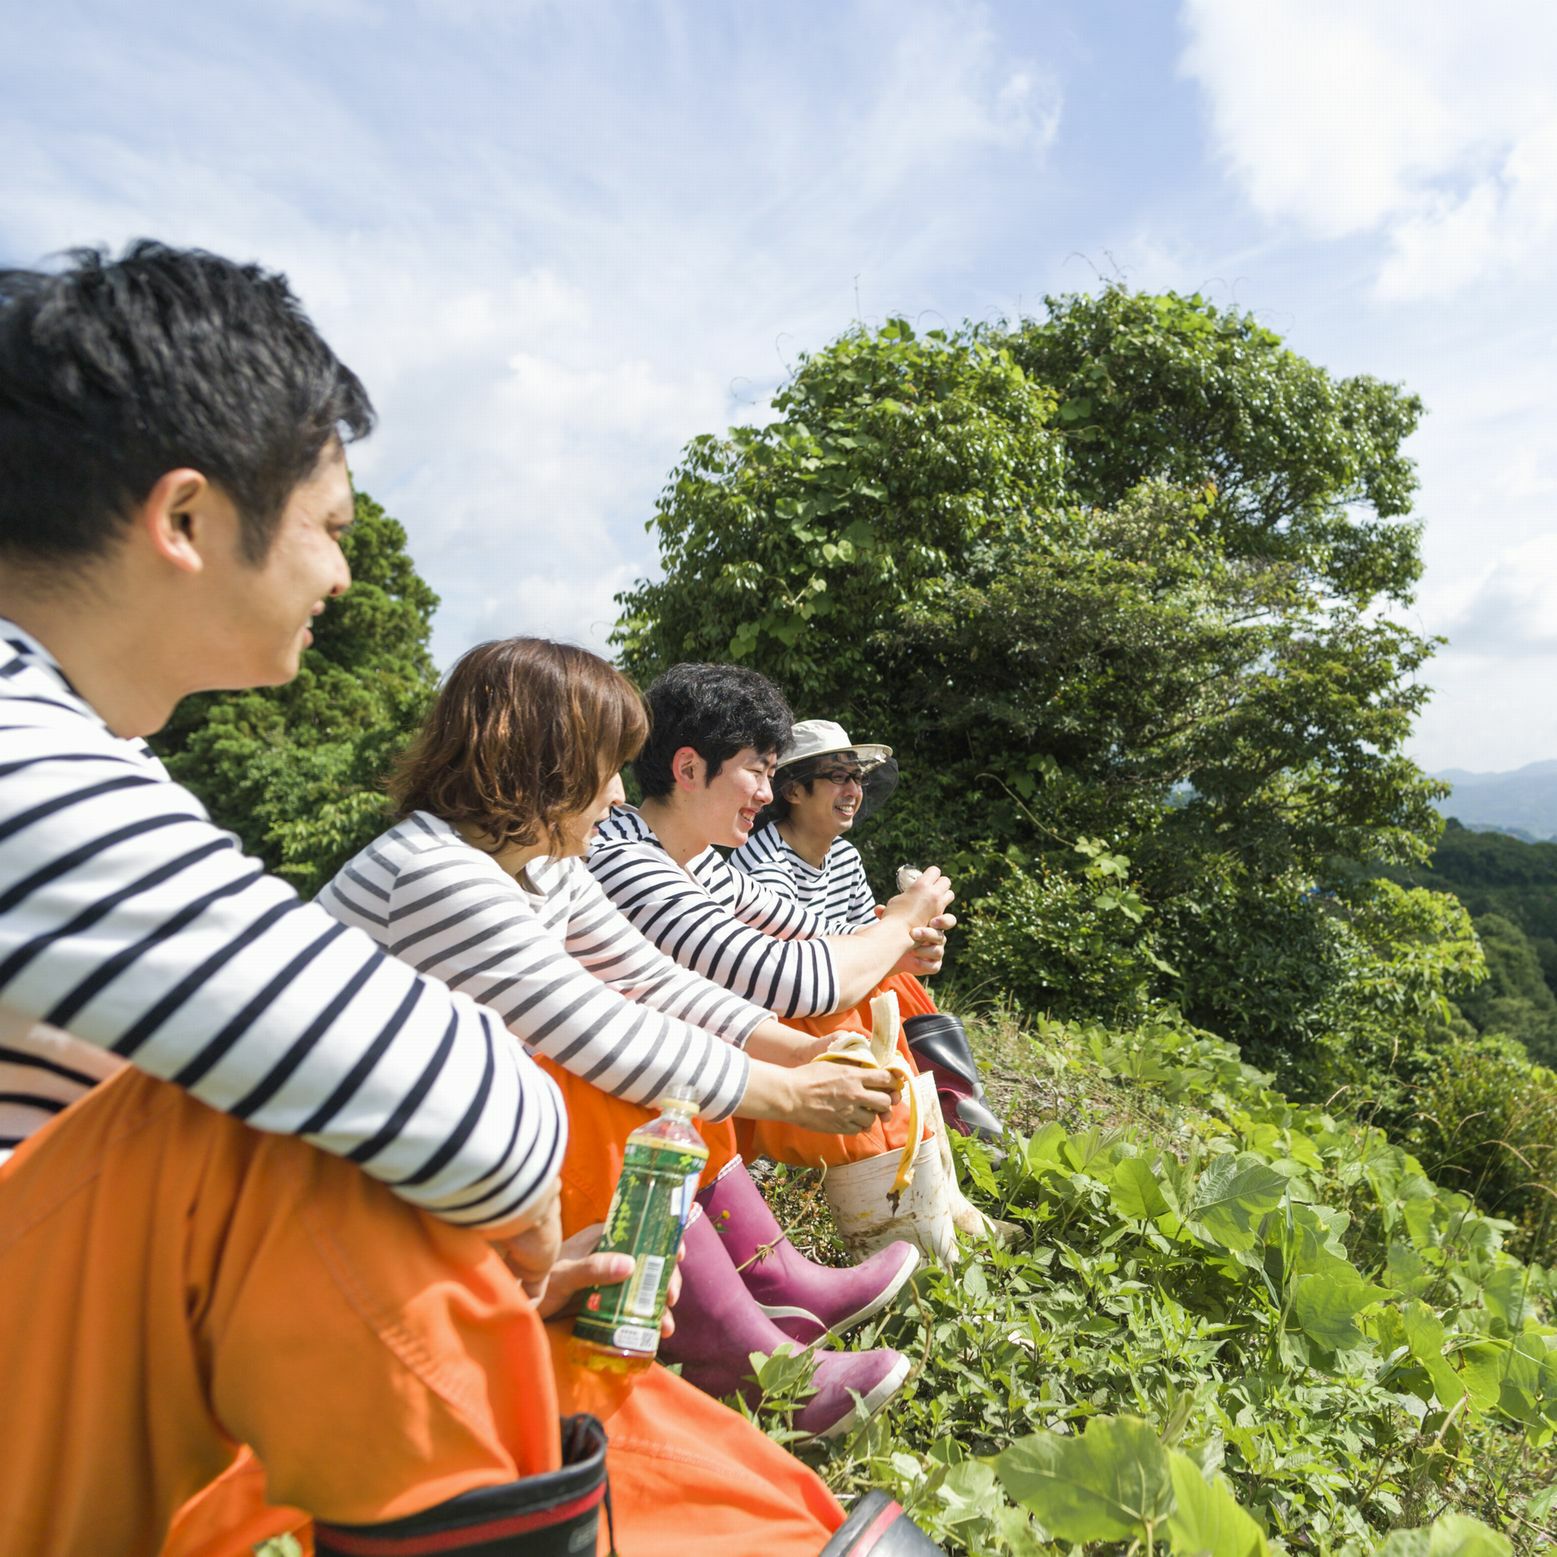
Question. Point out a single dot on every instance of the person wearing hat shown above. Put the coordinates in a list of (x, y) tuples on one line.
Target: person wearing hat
[(824, 784), (705, 773)]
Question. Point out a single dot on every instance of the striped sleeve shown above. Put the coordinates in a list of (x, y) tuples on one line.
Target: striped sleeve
[(767, 966), (132, 923), (449, 911)]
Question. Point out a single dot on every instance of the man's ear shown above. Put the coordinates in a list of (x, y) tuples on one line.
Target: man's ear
[(687, 768), (176, 519)]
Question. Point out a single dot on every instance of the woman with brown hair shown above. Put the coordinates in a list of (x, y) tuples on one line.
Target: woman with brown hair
[(482, 881)]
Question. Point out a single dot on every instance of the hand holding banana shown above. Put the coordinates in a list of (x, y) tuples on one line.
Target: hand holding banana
[(879, 1052)]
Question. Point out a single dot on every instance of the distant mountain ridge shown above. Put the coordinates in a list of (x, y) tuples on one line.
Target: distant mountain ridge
[(1523, 802)]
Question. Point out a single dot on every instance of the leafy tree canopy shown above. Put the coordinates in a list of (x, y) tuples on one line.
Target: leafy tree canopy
[(295, 771), (1119, 576)]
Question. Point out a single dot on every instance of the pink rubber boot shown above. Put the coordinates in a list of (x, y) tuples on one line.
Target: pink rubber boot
[(718, 1326), (805, 1300)]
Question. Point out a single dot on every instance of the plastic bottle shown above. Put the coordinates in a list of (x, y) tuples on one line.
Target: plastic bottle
[(619, 1326)]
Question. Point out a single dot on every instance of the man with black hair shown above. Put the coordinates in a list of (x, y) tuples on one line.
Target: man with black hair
[(261, 1178), (705, 774)]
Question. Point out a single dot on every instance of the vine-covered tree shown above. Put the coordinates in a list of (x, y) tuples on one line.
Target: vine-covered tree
[(295, 771)]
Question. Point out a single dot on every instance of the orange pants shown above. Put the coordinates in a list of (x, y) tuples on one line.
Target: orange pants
[(805, 1148), (688, 1477), (599, 1124), (173, 1284)]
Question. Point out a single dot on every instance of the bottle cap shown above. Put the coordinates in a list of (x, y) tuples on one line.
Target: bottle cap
[(680, 1095)]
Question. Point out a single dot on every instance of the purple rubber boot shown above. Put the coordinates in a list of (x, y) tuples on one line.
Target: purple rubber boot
[(718, 1326), (805, 1300)]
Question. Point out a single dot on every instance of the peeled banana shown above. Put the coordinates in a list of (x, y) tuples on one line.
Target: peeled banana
[(879, 1052)]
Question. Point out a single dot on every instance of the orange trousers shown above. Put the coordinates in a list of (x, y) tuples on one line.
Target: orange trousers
[(688, 1477), (599, 1124), (173, 1284), (805, 1148)]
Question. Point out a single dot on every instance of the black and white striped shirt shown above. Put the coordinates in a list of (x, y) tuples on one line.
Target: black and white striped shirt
[(838, 893), (716, 921), (567, 973), (134, 930)]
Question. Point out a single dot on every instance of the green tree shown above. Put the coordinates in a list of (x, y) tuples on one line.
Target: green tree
[(1516, 1000), (794, 546), (295, 771), (1123, 574)]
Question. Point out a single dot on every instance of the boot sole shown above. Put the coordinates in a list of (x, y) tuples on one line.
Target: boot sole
[(871, 1403)]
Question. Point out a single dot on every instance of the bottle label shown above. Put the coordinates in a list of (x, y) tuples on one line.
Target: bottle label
[(649, 1213)]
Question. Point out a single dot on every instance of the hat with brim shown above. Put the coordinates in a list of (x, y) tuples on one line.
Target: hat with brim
[(814, 739)]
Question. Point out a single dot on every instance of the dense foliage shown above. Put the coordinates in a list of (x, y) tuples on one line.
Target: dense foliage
[(1492, 873), (1233, 1320), (296, 771), (1115, 583)]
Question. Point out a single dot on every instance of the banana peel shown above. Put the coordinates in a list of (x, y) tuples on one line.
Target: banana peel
[(878, 1051)]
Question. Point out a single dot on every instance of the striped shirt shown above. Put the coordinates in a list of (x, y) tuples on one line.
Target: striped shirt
[(551, 956), (710, 918), (838, 893), (132, 929)]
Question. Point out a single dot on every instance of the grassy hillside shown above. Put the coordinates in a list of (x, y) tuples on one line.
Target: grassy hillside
[(1230, 1321)]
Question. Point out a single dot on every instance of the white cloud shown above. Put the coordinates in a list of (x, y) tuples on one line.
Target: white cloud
[(1432, 125), (1512, 608), (556, 241)]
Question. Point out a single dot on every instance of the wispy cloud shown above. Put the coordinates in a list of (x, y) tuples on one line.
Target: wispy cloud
[(556, 240)]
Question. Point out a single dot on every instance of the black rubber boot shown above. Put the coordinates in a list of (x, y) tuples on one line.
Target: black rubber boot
[(939, 1044), (552, 1515), (877, 1526)]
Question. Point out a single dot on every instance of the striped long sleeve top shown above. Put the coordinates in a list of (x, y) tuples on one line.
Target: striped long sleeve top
[(134, 930), (838, 893), (708, 917), (551, 956)]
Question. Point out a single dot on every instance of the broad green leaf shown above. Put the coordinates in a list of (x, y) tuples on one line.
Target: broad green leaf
[(1481, 1368), (1450, 1535), (1506, 1294), (968, 1492), (1326, 1306), (1135, 1191), (1233, 1193), (1110, 1484), (1425, 1336), (1207, 1521)]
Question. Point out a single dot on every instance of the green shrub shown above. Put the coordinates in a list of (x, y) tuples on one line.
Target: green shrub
[(1070, 943), (1488, 1126)]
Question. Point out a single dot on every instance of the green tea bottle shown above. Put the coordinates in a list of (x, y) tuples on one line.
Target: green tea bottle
[(619, 1326)]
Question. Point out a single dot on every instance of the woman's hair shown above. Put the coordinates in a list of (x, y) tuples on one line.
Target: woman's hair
[(523, 734)]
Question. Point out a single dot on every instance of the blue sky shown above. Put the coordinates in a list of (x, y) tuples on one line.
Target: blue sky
[(559, 239)]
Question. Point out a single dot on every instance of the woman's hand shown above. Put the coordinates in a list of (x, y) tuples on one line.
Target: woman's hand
[(840, 1099), (578, 1267)]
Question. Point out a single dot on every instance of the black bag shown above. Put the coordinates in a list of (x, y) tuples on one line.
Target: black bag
[(556, 1514)]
